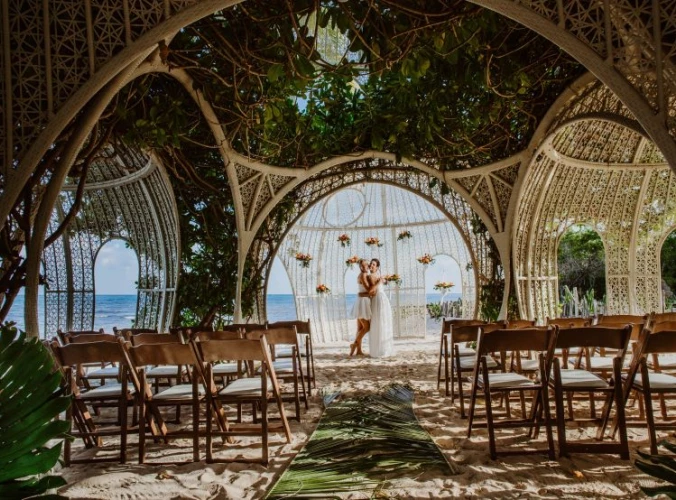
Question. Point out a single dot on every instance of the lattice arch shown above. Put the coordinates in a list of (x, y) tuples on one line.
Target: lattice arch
[(622, 188), (449, 202), (127, 196)]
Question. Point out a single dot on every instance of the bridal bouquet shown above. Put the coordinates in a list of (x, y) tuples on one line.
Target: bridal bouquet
[(392, 278), (344, 240), (426, 259), (322, 289), (304, 259), (372, 240)]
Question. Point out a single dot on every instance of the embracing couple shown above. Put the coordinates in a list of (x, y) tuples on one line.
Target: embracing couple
[(373, 312)]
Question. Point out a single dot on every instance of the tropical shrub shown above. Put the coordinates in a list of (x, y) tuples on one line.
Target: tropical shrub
[(31, 399)]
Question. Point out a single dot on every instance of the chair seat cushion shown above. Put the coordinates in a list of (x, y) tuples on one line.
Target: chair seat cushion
[(107, 391), (599, 363), (581, 378), (243, 387), (108, 372), (501, 380), (283, 351), (178, 391), (530, 365), (666, 361), (466, 351), (573, 351), (221, 369), (163, 371), (657, 381), (468, 362)]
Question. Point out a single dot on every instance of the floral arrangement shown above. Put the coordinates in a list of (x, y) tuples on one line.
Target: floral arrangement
[(322, 289), (352, 261), (392, 278), (426, 259), (372, 240), (344, 240), (404, 235), (443, 285), (304, 259)]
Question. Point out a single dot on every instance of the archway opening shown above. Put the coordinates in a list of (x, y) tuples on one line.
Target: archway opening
[(279, 303), (581, 272), (443, 291), (116, 274), (367, 220), (668, 270)]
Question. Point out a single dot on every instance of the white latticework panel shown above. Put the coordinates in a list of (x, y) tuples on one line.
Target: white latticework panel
[(363, 211)]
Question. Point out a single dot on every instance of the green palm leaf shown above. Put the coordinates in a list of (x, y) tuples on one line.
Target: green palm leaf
[(31, 400), (359, 445)]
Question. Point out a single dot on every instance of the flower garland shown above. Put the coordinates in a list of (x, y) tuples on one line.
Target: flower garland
[(304, 259), (322, 289), (344, 240), (426, 259), (372, 240), (404, 235), (352, 261), (443, 285), (392, 278)]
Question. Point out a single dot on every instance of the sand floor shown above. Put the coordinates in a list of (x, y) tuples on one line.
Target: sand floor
[(526, 476)]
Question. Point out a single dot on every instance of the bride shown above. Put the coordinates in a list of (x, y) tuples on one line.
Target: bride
[(381, 336)]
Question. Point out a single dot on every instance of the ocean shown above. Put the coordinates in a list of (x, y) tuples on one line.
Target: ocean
[(119, 310)]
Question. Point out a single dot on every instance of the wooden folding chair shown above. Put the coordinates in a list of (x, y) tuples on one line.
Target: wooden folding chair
[(652, 343), (120, 395), (579, 380), (224, 369), (192, 394), (156, 374), (256, 391), (445, 353), (464, 362), (539, 340), (93, 371), (286, 369), (304, 331), (664, 317), (62, 335)]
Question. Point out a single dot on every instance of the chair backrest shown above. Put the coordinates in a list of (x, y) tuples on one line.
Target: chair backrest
[(569, 322), (663, 326), (301, 326), (250, 327), (447, 324), (616, 320), (658, 342), (162, 354), (277, 336), (255, 334), (525, 339), (594, 336), (219, 335), (130, 332), (236, 350), (658, 318), (62, 335), (467, 333), (155, 338), (518, 324), (91, 352), (490, 327), (71, 338)]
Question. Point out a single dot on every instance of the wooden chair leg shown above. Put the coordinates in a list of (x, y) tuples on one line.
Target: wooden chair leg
[(619, 409), (489, 419), (441, 350), (447, 377), (472, 406), (560, 415), (649, 414)]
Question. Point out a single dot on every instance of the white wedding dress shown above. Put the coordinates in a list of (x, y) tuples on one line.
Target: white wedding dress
[(381, 335)]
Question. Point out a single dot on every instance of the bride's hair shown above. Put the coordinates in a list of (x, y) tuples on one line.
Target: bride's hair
[(377, 262)]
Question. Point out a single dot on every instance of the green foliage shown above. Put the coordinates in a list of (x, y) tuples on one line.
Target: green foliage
[(668, 261), (660, 466), (31, 400), (581, 261), (434, 310), (358, 445)]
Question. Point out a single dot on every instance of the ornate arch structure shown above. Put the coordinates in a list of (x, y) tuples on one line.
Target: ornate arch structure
[(127, 196), (623, 189)]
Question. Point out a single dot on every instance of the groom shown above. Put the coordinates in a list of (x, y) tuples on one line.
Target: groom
[(369, 293)]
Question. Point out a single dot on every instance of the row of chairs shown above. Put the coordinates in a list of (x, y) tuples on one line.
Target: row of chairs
[(495, 373), (250, 376)]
